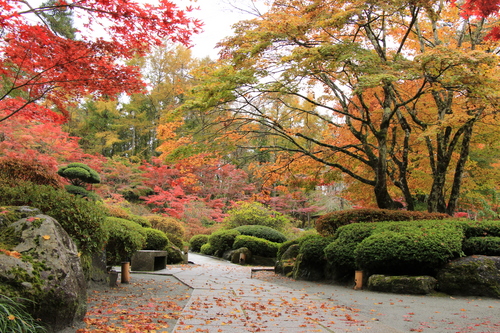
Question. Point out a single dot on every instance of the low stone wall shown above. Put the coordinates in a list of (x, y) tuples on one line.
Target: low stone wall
[(149, 260)]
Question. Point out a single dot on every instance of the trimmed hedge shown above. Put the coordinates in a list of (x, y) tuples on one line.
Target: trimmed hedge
[(155, 239), (328, 224), (222, 240), (263, 232), (175, 240), (488, 246), (480, 228), (340, 252), (409, 249), (197, 241), (395, 247), (125, 238), (258, 246), (312, 249), (284, 246), (207, 249)]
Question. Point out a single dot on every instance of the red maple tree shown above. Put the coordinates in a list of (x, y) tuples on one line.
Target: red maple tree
[(44, 69), (481, 9)]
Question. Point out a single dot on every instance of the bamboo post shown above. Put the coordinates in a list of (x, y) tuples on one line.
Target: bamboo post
[(125, 272), (358, 279)]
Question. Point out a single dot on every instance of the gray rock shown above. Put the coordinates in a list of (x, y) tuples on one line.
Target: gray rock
[(414, 285), (47, 271), (175, 255), (291, 253), (236, 257), (471, 276)]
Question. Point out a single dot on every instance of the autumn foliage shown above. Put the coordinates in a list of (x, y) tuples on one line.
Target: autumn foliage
[(47, 64)]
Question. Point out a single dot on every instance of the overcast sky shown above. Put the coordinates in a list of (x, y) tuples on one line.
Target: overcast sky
[(218, 16)]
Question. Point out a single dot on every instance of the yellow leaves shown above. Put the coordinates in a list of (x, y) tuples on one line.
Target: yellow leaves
[(167, 130)]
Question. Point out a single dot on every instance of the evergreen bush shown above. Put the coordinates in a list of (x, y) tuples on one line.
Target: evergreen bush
[(480, 228), (328, 224), (82, 219), (312, 249), (207, 249), (340, 252), (197, 241), (261, 231), (175, 240), (258, 246), (409, 249), (125, 238), (155, 239), (79, 174), (222, 240), (488, 246)]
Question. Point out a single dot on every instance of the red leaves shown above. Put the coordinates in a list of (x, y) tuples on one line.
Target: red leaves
[(44, 65), (125, 309), (483, 9)]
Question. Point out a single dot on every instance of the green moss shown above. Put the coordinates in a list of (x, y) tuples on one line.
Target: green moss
[(474, 273), (9, 238)]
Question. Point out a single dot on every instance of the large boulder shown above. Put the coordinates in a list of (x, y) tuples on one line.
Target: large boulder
[(471, 276), (285, 265), (43, 265), (415, 285)]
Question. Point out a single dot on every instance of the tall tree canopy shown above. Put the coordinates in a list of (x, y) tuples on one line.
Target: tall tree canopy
[(47, 63), (381, 90)]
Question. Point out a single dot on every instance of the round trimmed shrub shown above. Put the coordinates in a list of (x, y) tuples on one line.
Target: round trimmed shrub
[(412, 250), (167, 224), (155, 239), (312, 249), (488, 246), (340, 252), (79, 174), (117, 211), (175, 240), (261, 231), (125, 238), (328, 224), (82, 219), (480, 228), (258, 246), (197, 241), (222, 240), (254, 213), (207, 249)]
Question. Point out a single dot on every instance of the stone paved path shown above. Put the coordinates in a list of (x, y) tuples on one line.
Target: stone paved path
[(226, 299)]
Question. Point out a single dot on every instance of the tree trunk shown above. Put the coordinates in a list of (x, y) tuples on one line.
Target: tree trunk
[(459, 170)]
